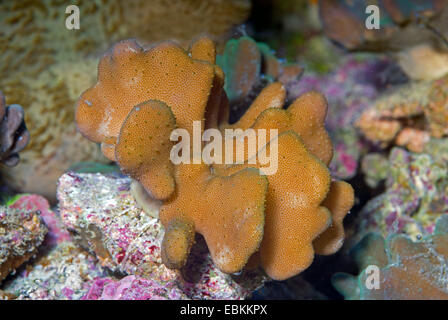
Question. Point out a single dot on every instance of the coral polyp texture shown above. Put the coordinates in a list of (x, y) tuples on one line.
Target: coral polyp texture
[(13, 133), (143, 93), (408, 269)]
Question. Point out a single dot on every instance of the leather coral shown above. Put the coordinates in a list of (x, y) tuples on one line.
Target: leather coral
[(13, 133), (144, 93)]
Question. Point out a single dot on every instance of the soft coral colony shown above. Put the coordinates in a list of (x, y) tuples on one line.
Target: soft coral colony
[(248, 219)]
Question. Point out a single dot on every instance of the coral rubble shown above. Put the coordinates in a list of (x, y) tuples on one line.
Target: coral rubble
[(21, 233), (65, 272), (407, 116), (103, 217), (35, 203)]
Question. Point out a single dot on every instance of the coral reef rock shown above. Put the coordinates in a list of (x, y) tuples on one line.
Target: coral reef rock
[(133, 288), (415, 195), (103, 216), (35, 203), (65, 272), (408, 270), (21, 233)]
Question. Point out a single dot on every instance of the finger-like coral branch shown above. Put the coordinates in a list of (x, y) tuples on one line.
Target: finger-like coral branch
[(339, 201), (229, 213)]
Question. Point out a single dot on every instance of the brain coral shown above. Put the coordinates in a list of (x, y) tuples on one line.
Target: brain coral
[(45, 67), (143, 93)]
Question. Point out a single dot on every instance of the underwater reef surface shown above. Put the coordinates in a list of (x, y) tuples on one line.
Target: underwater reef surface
[(415, 193), (103, 216), (108, 248), (248, 67), (21, 233), (109, 239), (409, 270), (349, 89), (14, 135), (133, 288)]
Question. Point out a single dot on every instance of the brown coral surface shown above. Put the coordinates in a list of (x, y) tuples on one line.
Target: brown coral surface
[(239, 211), (13, 133), (409, 270), (414, 31)]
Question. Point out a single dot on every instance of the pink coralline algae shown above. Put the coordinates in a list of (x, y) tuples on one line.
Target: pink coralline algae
[(349, 90), (409, 270), (60, 269), (32, 202), (133, 288), (102, 215)]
